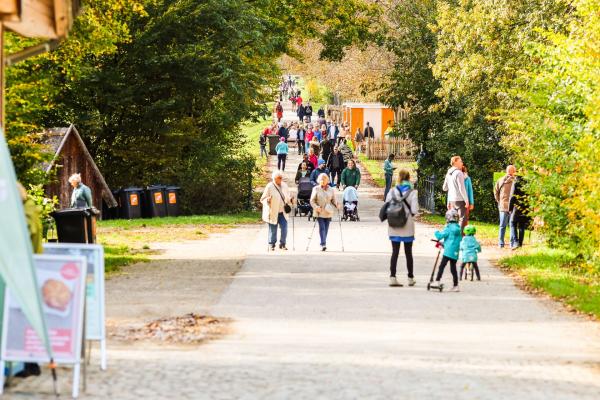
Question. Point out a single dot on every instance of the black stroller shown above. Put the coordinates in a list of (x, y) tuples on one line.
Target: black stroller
[(305, 188)]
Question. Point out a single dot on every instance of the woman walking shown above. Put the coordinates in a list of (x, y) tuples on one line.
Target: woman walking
[(404, 193), (276, 201), (282, 150), (324, 205)]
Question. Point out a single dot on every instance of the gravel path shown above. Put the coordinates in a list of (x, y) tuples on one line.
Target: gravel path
[(312, 325)]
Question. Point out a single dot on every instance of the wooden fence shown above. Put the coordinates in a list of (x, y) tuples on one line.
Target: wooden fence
[(403, 149)]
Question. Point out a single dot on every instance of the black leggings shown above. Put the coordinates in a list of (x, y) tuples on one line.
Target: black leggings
[(452, 269), (407, 253), (475, 268)]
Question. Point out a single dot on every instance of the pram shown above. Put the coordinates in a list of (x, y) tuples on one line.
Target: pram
[(350, 198), (305, 188)]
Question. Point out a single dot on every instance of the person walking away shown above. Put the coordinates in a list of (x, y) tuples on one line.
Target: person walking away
[(262, 141), (300, 135), (359, 139), (279, 111), (388, 171), (324, 205), (303, 172), (451, 237), (454, 184), (282, 132), (82, 195), (350, 175), (346, 152), (308, 110), (322, 169), (469, 247), (300, 111), (519, 214), (469, 189), (409, 199), (369, 132), (321, 112), (335, 163), (502, 192), (276, 201), (282, 150)]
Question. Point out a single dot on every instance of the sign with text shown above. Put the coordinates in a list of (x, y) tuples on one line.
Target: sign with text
[(61, 281)]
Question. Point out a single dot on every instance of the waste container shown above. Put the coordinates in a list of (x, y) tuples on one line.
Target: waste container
[(172, 197), (130, 200), (273, 140), (156, 205), (76, 225)]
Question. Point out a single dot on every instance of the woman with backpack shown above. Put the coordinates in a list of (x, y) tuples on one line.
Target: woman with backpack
[(402, 204)]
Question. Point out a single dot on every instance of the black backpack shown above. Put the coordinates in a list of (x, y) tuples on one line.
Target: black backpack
[(394, 210)]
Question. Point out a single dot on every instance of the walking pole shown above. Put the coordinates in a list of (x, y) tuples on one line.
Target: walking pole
[(294, 229), (311, 234), (341, 235)]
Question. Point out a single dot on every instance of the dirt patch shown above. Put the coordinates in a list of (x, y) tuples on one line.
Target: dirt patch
[(187, 329)]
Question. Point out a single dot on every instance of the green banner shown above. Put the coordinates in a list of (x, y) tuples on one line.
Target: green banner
[(16, 255)]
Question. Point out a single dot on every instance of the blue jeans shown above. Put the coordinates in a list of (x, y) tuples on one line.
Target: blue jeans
[(282, 222), (388, 185), (323, 229), (504, 220)]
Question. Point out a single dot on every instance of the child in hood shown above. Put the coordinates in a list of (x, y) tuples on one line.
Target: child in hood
[(451, 237), (469, 247)]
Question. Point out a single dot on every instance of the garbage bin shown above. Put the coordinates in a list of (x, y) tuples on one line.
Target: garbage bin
[(75, 225), (273, 140), (172, 197), (130, 200), (155, 201)]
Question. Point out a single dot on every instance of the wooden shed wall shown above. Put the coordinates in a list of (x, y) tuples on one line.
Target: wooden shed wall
[(71, 161)]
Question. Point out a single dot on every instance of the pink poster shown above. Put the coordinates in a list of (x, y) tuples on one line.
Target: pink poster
[(61, 283)]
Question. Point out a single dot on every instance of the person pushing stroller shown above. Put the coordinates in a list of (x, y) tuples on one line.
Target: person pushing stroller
[(451, 236)]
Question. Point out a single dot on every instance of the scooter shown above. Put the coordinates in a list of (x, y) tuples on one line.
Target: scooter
[(433, 285)]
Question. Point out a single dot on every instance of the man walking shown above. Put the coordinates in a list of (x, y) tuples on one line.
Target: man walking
[(454, 184), (369, 132), (502, 191)]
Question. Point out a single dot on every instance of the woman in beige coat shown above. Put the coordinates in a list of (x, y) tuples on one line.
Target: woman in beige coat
[(274, 199), (324, 205)]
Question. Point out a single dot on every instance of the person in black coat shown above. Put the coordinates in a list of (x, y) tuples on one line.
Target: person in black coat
[(369, 132), (335, 164), (308, 111), (518, 207), (321, 112), (326, 148)]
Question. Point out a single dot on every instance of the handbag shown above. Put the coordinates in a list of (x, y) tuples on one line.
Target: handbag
[(287, 208)]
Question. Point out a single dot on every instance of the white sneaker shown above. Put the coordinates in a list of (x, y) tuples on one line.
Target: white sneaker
[(411, 282), (455, 289), (394, 281)]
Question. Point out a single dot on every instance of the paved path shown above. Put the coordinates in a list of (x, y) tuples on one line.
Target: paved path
[(313, 325)]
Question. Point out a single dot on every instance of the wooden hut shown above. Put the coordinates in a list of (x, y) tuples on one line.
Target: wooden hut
[(379, 116), (71, 156)]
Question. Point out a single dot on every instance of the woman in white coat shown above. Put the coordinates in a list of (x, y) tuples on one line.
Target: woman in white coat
[(275, 199), (405, 234)]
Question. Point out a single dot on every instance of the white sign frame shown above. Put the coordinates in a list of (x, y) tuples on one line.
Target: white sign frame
[(97, 251), (78, 334)]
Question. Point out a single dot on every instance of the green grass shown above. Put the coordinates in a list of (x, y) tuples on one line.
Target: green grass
[(116, 257), (487, 233), (557, 273), (375, 168), (252, 131), (246, 217)]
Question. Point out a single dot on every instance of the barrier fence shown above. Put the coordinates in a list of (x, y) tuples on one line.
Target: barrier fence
[(379, 149), (426, 188)]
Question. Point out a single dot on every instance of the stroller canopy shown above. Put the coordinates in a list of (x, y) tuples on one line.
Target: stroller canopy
[(350, 194)]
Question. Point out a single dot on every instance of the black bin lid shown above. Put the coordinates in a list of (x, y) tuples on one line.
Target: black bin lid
[(156, 187), (71, 212), (132, 189), (173, 188)]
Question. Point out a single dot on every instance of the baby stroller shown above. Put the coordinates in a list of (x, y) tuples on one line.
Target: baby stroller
[(305, 188), (350, 198)]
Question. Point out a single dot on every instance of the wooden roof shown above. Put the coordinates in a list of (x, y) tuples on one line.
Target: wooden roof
[(50, 19), (55, 139)]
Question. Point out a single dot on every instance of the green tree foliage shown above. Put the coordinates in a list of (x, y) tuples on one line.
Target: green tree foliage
[(555, 131)]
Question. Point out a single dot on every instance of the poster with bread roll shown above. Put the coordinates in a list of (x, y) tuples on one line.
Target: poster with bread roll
[(61, 282)]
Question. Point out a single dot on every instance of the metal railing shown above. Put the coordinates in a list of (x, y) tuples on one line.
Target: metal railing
[(426, 188)]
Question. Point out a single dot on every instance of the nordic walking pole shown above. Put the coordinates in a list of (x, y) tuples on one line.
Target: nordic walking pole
[(294, 230), (311, 234), (341, 235)]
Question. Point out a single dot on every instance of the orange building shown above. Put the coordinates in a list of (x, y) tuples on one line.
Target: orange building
[(379, 116)]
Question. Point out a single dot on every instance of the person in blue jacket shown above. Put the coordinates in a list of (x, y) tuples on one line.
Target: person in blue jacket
[(282, 151), (321, 169), (451, 237), (469, 247)]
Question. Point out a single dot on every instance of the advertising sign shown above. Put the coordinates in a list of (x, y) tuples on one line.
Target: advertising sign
[(61, 281), (94, 288)]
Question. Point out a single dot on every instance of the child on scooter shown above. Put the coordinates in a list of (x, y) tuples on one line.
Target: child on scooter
[(451, 236), (469, 247)]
